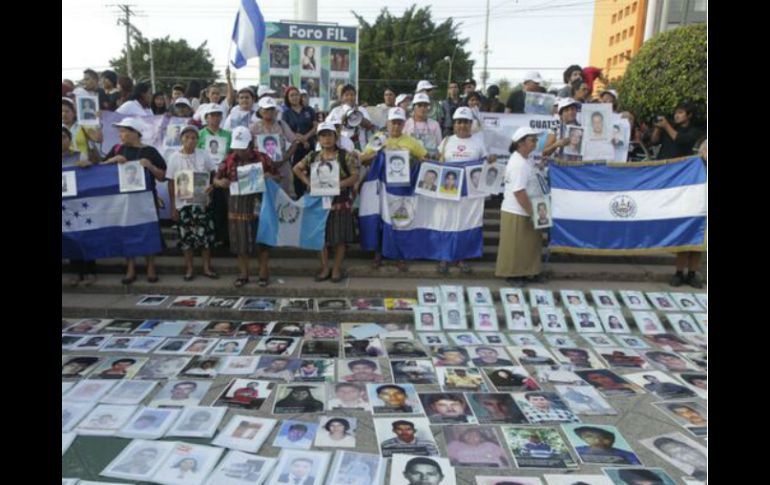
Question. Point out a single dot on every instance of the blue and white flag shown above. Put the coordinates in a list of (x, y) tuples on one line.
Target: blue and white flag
[(248, 33), (286, 222), (632, 208), (100, 222), (403, 225)]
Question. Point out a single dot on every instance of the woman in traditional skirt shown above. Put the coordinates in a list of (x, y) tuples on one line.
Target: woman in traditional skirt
[(242, 209), (339, 225), (521, 245)]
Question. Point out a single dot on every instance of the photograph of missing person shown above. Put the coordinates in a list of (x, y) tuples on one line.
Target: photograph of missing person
[(300, 467), (162, 367), (393, 399), (461, 379), (244, 394), (367, 347), (433, 339), (492, 176), (243, 365), (511, 378), (668, 361), (541, 297), (229, 346), (473, 176), (613, 320), (599, 341), (325, 178), (340, 60), (600, 445), (684, 453), (336, 432), (640, 476), (299, 398), (538, 447), (485, 318), (397, 168), (88, 325), (426, 318), (368, 304), (523, 339), (405, 435), (451, 356), (216, 147), (428, 180), (139, 460), (201, 368), (322, 330), (663, 302), (453, 317), (238, 468), (130, 392), (245, 433), (573, 298), (585, 400), (320, 348), (560, 340), (188, 464), (597, 137), (624, 358), (475, 446), (271, 145), (421, 470), (351, 468), (428, 295), (359, 370), (399, 304), (119, 368), (559, 374), (518, 318), (604, 299), (151, 300), (197, 422), (149, 423), (69, 184), (691, 415), (479, 295), (544, 407), (635, 300), (87, 110), (131, 177), (181, 393), (315, 370), (184, 185), (533, 355), (251, 179), (72, 412), (404, 348), (77, 366), (347, 395), (578, 357), (489, 356), (332, 304), (574, 150), (279, 56), (608, 383), (105, 420), (276, 345), (259, 303), (687, 302), (512, 296), (447, 408), (648, 322), (552, 319), (296, 435), (585, 320), (683, 323), (542, 216), (496, 408), (631, 342), (122, 326), (413, 372), (660, 384), (698, 382)]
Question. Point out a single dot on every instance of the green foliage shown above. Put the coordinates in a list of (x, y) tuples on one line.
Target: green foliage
[(669, 68), (175, 62), (397, 52)]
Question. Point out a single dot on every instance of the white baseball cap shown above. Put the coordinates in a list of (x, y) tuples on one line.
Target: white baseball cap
[(214, 108), (241, 138), (131, 124), (463, 113), (267, 103), (523, 132), (566, 102), (262, 90), (183, 101), (533, 76), (396, 114), (610, 91), (401, 98), (420, 98), (424, 86), (189, 128), (303, 91), (326, 126)]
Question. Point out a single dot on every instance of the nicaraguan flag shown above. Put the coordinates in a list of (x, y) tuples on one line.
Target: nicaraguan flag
[(100, 222), (407, 226), (285, 222), (248, 33), (631, 208)]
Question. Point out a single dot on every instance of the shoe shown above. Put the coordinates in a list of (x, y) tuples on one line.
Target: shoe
[(442, 268), (342, 276), (677, 280), (401, 266), (240, 282), (464, 267), (319, 277), (211, 275), (152, 279), (128, 280), (189, 277), (695, 280), (263, 282)]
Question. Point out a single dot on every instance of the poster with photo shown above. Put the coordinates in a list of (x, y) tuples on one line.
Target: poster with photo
[(340, 60), (251, 179), (230, 346), (683, 324), (285, 328), (122, 326), (496, 408), (312, 85), (347, 395), (188, 464), (181, 393), (479, 296), (541, 297), (259, 303), (426, 318), (413, 372), (573, 479), (335, 86), (493, 338), (402, 348), (172, 138), (131, 392), (473, 174), (552, 319), (299, 398), (453, 317), (105, 420), (489, 356), (574, 150), (310, 59), (216, 147), (599, 340), (452, 295), (276, 345), (635, 300), (368, 347), (368, 304), (336, 432), (407, 435), (608, 383), (631, 342), (461, 379), (510, 378), (661, 384), (613, 320), (149, 423), (687, 302), (73, 412), (201, 368), (669, 361), (538, 447), (447, 408), (279, 83), (131, 177), (600, 445), (559, 374), (139, 460), (325, 178), (485, 319), (512, 296), (162, 367), (279, 56), (492, 177), (684, 453), (663, 302), (585, 400), (399, 304), (541, 219), (544, 407), (320, 348), (87, 110), (691, 415), (524, 339), (315, 370), (517, 318), (397, 168), (428, 180), (351, 468), (271, 145), (333, 304), (244, 393), (648, 323), (622, 476), (69, 184), (393, 399), (297, 435), (532, 355), (78, 366), (623, 358), (152, 300), (119, 368), (191, 301), (407, 470), (197, 422), (539, 103), (300, 467), (200, 346), (451, 356), (597, 137), (585, 320), (169, 346), (475, 447), (245, 433), (238, 468), (88, 325), (605, 299), (573, 298), (184, 185), (560, 341), (433, 338)]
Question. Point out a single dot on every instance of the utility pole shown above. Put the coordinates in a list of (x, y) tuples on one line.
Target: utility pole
[(127, 22), (484, 73)]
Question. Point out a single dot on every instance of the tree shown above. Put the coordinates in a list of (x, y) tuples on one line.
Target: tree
[(669, 69), (175, 62), (397, 52)]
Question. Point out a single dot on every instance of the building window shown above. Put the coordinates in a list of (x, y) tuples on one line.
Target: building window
[(625, 34), (620, 14), (628, 54), (609, 63), (617, 37), (614, 18), (615, 60), (633, 7), (631, 31), (628, 11), (612, 40)]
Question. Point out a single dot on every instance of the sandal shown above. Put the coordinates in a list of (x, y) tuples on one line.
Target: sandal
[(212, 275), (443, 267), (319, 277), (189, 277), (240, 282), (342, 276)]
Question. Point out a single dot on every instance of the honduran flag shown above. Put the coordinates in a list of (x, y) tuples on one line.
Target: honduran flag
[(629, 208), (286, 222), (405, 225), (101, 222)]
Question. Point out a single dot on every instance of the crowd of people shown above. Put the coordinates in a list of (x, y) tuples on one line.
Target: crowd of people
[(447, 131)]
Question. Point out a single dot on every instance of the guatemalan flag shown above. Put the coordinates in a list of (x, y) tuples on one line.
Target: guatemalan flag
[(286, 222), (101, 222), (630, 208), (404, 225), (248, 33)]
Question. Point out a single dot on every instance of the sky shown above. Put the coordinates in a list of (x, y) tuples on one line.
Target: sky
[(542, 35)]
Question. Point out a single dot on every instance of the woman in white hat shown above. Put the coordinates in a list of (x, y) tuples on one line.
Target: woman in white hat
[(267, 123), (520, 247), (559, 138)]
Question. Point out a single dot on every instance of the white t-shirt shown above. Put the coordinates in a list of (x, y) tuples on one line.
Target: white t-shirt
[(456, 149), (238, 117), (428, 132), (200, 161), (133, 108), (517, 173)]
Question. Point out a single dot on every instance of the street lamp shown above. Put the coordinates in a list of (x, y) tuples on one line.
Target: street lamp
[(451, 61), (151, 58)]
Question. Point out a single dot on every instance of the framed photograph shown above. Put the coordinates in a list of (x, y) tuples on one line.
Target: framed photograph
[(613, 320), (485, 318), (149, 423), (541, 219), (512, 296), (493, 338), (663, 302), (393, 399), (188, 464), (88, 325), (452, 295), (495, 408), (473, 174), (683, 323), (276, 345), (464, 338), (640, 475), (426, 318), (336, 432), (407, 435), (492, 177), (532, 355), (585, 400), (600, 445), (325, 178), (538, 447), (631, 342), (347, 395), (201, 368), (402, 348), (428, 180), (407, 469), (560, 341), (119, 368), (238, 468), (181, 393), (299, 398), (69, 184), (517, 318), (544, 407), (684, 453), (139, 460), (453, 317), (605, 299), (297, 435), (131, 177), (623, 358), (510, 378), (597, 137), (552, 319), (197, 422), (413, 371), (433, 338), (450, 183), (73, 412), (245, 433), (668, 361), (661, 384), (573, 298), (130, 392), (397, 168), (479, 296), (300, 467), (461, 379), (151, 300), (608, 383), (350, 468), (87, 109), (574, 151), (703, 322), (244, 394), (541, 297), (428, 295), (105, 420), (78, 366), (230, 346), (599, 340), (368, 304), (162, 367), (687, 302), (635, 300), (648, 322), (524, 339), (691, 415)]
